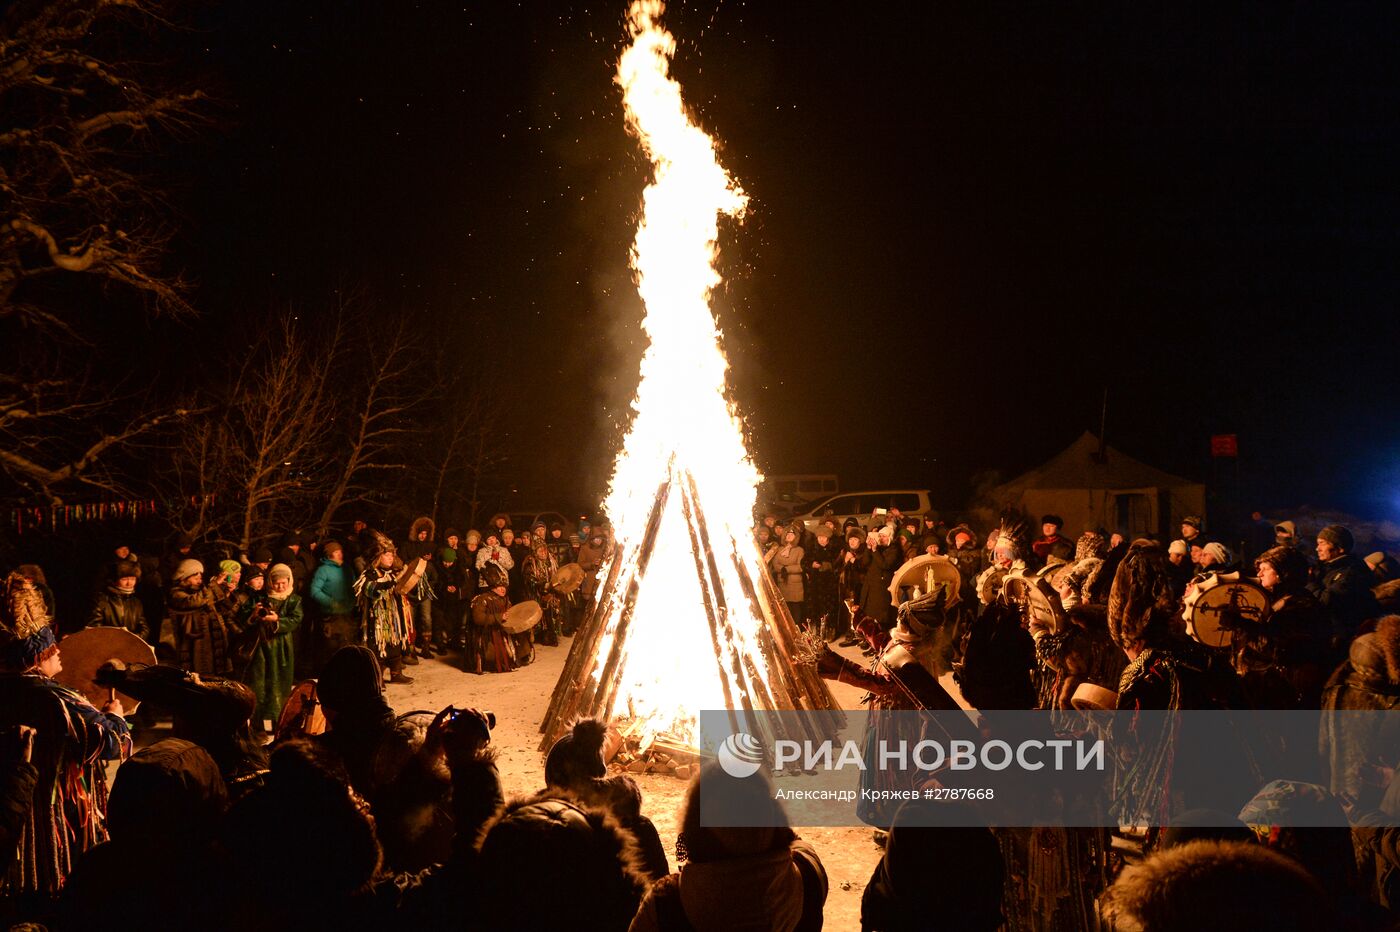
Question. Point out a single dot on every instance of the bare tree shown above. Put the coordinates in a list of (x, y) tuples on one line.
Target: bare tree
[(262, 463), (380, 419), (76, 210), (74, 201), (467, 448)]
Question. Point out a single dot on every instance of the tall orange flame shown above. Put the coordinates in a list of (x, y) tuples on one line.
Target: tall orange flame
[(684, 423)]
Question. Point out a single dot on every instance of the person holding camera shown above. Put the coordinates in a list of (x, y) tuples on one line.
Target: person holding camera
[(785, 563), (271, 661)]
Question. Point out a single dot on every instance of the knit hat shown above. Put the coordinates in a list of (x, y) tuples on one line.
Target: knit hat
[(1286, 527), (229, 567), (447, 555), (451, 532), (330, 547), (262, 555), (187, 568), (578, 755), (1337, 536), (252, 572), (1178, 548), (1193, 520), (278, 571), (473, 537), (1216, 549)]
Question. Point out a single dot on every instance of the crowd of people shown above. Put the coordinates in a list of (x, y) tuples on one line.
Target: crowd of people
[(1045, 621), (386, 820)]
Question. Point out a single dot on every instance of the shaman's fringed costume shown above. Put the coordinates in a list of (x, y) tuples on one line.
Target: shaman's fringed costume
[(1054, 876), (386, 617), (903, 678), (69, 810), (538, 573), (494, 648)]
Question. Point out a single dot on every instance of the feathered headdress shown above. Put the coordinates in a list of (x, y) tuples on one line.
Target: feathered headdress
[(28, 637), (376, 545), (1012, 534)]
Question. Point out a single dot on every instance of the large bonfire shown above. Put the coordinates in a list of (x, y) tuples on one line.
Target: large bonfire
[(685, 617)]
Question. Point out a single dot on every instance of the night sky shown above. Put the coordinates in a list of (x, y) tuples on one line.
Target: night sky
[(967, 221)]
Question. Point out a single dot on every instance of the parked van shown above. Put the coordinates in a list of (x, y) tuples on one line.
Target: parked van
[(860, 505)]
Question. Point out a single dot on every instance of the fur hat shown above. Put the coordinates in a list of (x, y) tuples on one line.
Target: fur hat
[(1053, 519), (451, 532), (594, 866), (1378, 653), (1338, 537), (578, 755), (960, 531), (1218, 550), (1288, 563), (1140, 601), (1213, 886), (473, 537), (492, 576), (125, 568), (186, 569), (278, 571), (1090, 544), (419, 525)]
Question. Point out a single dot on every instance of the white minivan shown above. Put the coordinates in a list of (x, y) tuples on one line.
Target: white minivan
[(860, 505)]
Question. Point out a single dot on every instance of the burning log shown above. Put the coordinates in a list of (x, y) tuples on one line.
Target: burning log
[(575, 694), (589, 684)]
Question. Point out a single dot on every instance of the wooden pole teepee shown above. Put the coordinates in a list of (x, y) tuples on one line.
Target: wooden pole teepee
[(591, 678)]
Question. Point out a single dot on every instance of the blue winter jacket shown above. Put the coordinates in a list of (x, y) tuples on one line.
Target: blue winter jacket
[(330, 589)]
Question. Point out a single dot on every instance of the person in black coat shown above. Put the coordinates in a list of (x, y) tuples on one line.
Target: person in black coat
[(823, 596), (851, 569), (1343, 582), (885, 558)]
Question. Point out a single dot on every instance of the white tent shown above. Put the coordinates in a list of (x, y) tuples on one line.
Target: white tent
[(1110, 491)]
